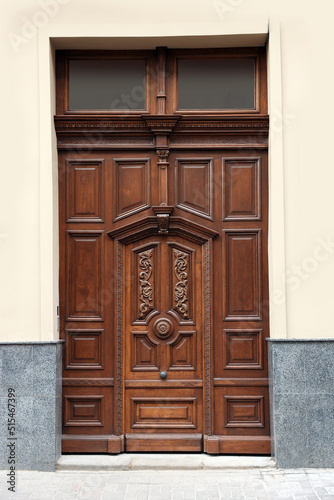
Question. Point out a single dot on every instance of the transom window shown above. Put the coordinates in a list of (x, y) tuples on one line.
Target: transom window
[(214, 81)]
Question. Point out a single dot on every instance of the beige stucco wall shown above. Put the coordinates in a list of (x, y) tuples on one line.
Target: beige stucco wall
[(301, 172)]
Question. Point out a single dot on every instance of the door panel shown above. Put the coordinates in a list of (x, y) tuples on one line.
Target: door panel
[(163, 333), (85, 276), (237, 191), (243, 275)]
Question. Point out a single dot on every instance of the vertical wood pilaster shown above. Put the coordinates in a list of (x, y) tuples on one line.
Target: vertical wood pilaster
[(163, 175), (161, 96)]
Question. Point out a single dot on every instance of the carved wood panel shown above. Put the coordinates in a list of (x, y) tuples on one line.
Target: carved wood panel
[(131, 186), (84, 190), (87, 411), (243, 349), (181, 263), (84, 349), (85, 275), (144, 352), (164, 413), (242, 189), (243, 275), (193, 186), (245, 411), (182, 352), (146, 287)]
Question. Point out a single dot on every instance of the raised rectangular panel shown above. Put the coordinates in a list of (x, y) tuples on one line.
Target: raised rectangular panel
[(83, 411), (167, 413), (84, 193), (193, 186), (84, 349), (243, 411), (84, 282), (242, 189), (242, 349), (132, 186), (242, 275), (182, 352), (144, 354)]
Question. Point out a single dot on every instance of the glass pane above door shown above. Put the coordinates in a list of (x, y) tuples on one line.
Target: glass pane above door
[(216, 83), (107, 84)]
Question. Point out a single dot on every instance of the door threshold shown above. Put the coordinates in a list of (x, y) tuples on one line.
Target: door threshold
[(162, 461)]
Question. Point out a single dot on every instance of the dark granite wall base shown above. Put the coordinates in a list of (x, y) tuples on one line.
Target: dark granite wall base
[(34, 371), (301, 376)]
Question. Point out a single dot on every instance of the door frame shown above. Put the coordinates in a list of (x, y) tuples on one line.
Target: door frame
[(49, 241), (195, 233)]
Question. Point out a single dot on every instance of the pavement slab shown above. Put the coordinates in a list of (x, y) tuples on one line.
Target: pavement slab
[(233, 479)]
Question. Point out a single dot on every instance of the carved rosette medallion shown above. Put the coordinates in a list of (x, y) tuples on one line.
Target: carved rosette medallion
[(145, 286), (181, 287), (163, 328)]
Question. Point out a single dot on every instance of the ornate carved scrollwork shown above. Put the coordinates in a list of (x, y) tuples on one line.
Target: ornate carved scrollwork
[(181, 287), (145, 287)]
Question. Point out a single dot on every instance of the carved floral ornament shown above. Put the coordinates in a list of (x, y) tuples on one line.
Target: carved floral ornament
[(181, 287), (145, 286)]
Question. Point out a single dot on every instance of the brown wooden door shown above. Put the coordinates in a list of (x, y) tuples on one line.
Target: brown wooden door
[(164, 280), (141, 300), (163, 328)]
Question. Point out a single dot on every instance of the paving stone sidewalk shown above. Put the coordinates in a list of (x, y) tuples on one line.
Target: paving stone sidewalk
[(245, 484)]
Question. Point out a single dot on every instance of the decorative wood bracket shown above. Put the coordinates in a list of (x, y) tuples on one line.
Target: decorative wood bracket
[(163, 158), (163, 212), (160, 124)]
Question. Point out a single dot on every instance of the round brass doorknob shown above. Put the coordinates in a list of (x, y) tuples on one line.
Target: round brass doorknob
[(163, 374)]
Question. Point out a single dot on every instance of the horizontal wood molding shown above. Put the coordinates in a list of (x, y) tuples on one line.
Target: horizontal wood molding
[(166, 383), (88, 382), (129, 131), (240, 382)]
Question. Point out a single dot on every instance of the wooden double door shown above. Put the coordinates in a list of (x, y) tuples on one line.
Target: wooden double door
[(164, 294)]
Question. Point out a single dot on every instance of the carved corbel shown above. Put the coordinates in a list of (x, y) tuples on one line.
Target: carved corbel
[(163, 158), (163, 212)]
